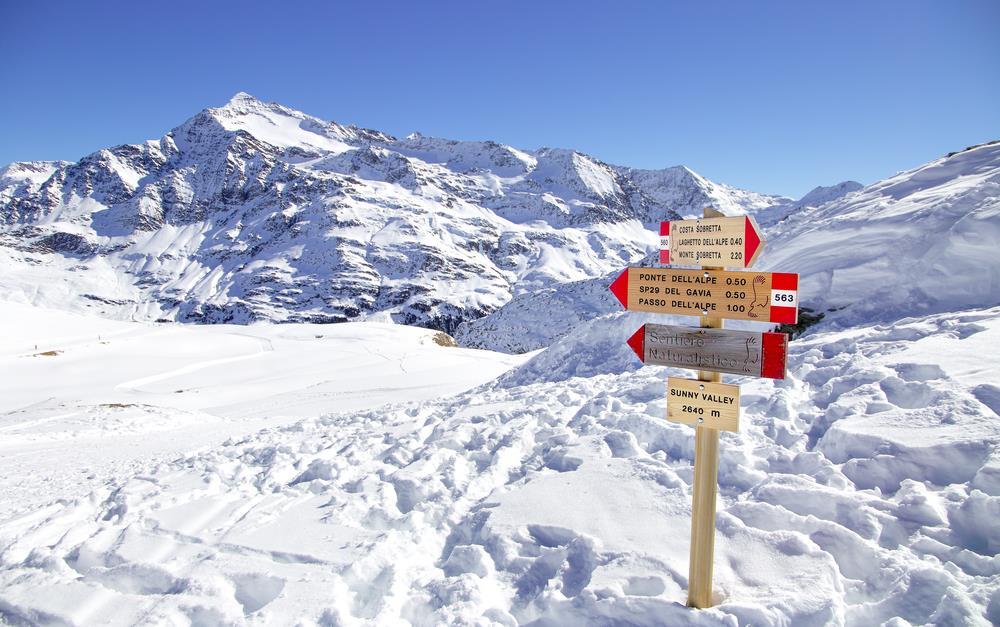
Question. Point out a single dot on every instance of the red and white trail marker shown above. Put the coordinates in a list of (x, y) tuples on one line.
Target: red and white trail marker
[(726, 242), (736, 295)]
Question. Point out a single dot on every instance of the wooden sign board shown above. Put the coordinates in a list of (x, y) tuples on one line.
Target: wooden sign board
[(760, 296), (726, 242), (703, 404), (718, 350)]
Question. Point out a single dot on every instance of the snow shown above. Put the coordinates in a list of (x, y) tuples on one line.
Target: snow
[(17, 179), (105, 396), (823, 194), (554, 497), (364, 474), (921, 242), (277, 125), (687, 190)]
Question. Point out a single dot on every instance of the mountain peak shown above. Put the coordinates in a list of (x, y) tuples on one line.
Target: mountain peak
[(242, 104), (242, 99), (822, 194)]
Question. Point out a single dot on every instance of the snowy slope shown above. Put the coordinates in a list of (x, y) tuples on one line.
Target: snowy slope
[(920, 242), (25, 178), (824, 194), (564, 500), (689, 192), (536, 319), (771, 215), (106, 398), (255, 211)]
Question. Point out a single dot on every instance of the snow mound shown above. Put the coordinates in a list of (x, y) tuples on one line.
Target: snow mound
[(592, 348), (563, 502)]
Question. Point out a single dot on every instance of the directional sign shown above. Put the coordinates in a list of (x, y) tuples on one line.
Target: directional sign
[(730, 242), (760, 296), (718, 350), (703, 404)]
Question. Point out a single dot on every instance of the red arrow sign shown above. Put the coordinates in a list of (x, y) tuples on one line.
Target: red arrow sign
[(728, 242), (719, 350), (760, 296)]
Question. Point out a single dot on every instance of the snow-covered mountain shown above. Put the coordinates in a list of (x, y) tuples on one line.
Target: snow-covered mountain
[(862, 489), (821, 195), (923, 241), (256, 211), (772, 214)]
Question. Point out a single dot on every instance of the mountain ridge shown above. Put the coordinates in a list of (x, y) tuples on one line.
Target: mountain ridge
[(256, 211), (919, 242)]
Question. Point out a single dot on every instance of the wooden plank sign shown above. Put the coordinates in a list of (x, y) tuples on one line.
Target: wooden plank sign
[(718, 350), (760, 296), (703, 404), (726, 242)]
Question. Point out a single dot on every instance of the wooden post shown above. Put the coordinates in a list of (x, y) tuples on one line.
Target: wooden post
[(704, 490)]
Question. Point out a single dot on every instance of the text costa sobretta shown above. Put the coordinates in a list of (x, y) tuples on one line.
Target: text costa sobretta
[(728, 242)]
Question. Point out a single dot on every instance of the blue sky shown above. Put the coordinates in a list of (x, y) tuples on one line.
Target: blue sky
[(772, 96)]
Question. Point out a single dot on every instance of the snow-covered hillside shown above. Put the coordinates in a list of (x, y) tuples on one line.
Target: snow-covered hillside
[(254, 211), (84, 400), (862, 490), (922, 241), (771, 215)]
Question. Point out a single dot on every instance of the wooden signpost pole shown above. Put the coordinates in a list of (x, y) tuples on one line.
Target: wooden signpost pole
[(703, 491)]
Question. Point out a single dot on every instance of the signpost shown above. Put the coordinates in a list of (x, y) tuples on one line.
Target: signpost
[(719, 242), (713, 293), (703, 404), (760, 296), (720, 350)]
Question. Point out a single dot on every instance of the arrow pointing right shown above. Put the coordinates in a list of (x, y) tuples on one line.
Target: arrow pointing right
[(752, 241)]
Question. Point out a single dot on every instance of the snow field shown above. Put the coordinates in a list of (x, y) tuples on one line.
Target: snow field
[(100, 399), (564, 500)]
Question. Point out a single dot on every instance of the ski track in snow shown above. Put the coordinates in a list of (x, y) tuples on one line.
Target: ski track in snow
[(136, 384), (562, 502)]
